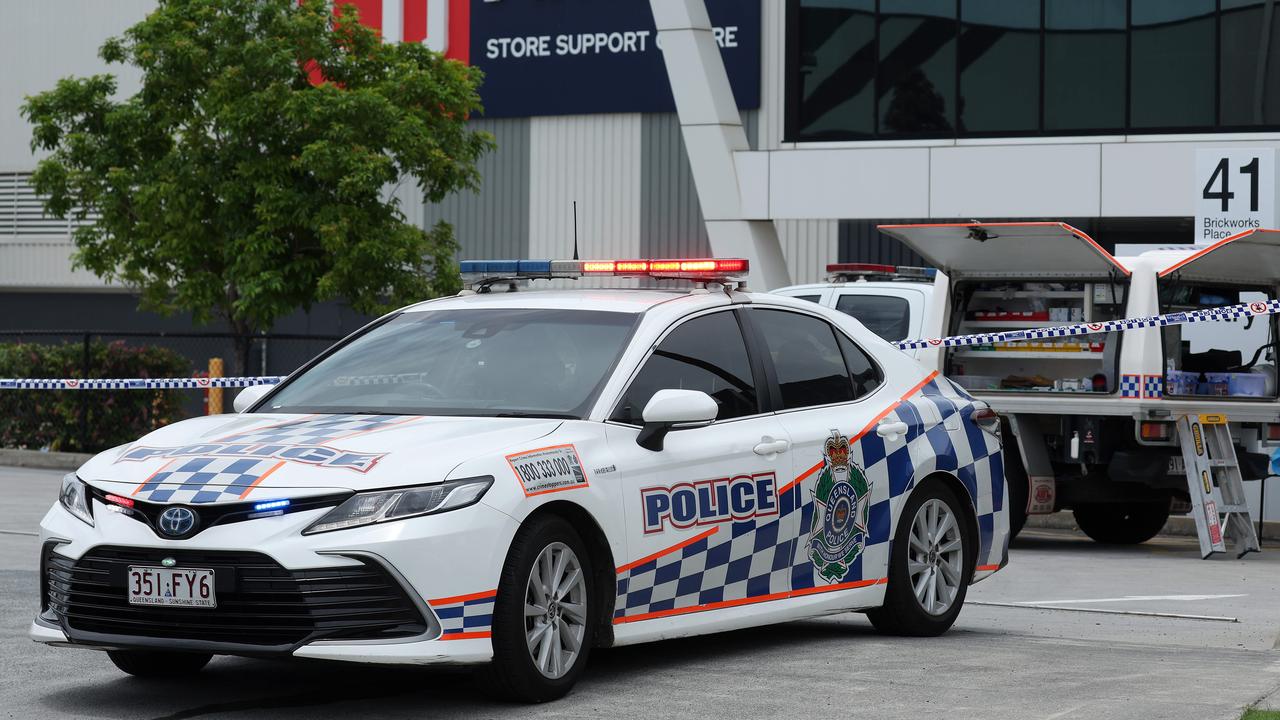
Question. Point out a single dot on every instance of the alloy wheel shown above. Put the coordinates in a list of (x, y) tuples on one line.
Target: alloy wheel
[(935, 556), (555, 610)]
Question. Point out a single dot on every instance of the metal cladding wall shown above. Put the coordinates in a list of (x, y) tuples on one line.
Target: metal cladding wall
[(671, 223), (492, 223)]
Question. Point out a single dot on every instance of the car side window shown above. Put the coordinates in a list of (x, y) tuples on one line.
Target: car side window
[(862, 371), (888, 317), (706, 353), (806, 357), (809, 298)]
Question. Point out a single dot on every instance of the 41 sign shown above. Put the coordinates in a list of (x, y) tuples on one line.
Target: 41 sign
[(1235, 191)]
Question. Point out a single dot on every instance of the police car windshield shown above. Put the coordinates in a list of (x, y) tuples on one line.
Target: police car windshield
[(482, 362)]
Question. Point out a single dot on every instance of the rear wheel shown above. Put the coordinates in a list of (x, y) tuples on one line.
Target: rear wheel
[(1122, 523), (930, 566), (544, 615), (158, 663)]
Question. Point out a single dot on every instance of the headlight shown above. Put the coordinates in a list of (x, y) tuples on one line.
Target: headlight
[(75, 497), (386, 505)]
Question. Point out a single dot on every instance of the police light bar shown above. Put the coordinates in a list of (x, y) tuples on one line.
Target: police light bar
[(688, 268), (863, 269)]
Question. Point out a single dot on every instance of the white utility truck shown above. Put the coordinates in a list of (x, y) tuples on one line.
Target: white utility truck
[(1096, 417)]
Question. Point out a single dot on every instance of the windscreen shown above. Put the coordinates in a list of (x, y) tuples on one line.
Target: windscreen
[(482, 362)]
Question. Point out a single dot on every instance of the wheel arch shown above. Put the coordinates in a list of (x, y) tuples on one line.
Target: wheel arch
[(601, 555), (957, 488)]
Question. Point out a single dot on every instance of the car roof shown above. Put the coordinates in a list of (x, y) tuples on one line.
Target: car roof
[(859, 284), (601, 299)]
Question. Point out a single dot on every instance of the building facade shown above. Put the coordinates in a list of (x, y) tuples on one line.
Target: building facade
[(856, 111)]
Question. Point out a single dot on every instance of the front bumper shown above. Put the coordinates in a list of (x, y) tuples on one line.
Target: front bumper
[(444, 570)]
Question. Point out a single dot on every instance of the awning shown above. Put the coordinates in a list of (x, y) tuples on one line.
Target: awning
[(1021, 250)]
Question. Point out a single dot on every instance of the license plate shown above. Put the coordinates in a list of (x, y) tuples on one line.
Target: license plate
[(176, 587), (1176, 465)]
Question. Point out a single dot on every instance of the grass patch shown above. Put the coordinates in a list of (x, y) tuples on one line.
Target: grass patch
[(1252, 714)]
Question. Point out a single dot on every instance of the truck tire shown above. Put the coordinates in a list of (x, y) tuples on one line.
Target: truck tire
[(1015, 477), (1122, 523)]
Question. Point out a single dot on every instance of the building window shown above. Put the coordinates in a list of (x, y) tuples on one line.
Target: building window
[(884, 69), (1084, 77), (1172, 63), (999, 49), (916, 78)]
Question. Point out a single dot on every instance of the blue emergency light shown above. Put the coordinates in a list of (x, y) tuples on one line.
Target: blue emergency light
[(687, 268)]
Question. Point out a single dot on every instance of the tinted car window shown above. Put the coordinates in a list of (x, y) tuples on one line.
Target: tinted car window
[(864, 373), (811, 369), (888, 317), (809, 298), (707, 354)]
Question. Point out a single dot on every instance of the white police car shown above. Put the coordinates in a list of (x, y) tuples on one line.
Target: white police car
[(512, 478)]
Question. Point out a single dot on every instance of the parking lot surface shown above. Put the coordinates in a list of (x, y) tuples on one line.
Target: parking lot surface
[(1029, 645)]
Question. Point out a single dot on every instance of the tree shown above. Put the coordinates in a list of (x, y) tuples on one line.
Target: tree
[(247, 177)]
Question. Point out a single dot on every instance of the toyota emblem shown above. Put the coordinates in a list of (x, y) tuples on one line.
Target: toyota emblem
[(177, 521)]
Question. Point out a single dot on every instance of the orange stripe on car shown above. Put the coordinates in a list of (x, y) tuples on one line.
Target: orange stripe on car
[(467, 635), (261, 477), (462, 598), (678, 546)]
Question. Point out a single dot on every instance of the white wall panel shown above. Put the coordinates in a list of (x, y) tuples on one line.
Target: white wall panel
[(46, 40), (1014, 181), (1155, 179), (42, 263), (847, 184), (595, 160), (773, 46)]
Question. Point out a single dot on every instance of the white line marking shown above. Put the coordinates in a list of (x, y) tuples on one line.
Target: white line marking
[(1177, 616), (1133, 598), (19, 532)]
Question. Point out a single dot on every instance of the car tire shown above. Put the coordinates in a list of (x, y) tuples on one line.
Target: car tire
[(523, 668), (905, 612), (1122, 523), (158, 663)]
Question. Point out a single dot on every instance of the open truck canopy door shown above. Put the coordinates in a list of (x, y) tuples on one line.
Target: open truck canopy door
[(1251, 257), (994, 250)]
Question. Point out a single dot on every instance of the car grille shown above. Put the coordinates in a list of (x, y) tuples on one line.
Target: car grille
[(260, 603)]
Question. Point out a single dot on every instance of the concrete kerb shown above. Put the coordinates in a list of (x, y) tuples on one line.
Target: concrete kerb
[(1178, 525), (43, 459)]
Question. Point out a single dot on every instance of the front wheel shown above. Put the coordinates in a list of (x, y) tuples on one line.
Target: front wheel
[(544, 615), (158, 663), (930, 566), (1122, 523)]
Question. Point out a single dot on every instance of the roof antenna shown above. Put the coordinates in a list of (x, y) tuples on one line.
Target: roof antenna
[(575, 229)]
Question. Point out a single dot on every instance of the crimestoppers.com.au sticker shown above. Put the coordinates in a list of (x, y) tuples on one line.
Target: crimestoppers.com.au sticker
[(548, 469)]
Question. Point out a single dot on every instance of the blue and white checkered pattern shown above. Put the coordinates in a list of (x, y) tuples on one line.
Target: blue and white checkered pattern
[(317, 430), (1152, 387), (755, 559), (1131, 386), (204, 480), (469, 616), (133, 383)]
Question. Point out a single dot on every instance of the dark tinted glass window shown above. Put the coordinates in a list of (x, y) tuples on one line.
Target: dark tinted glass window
[(888, 317), (810, 367), (917, 72), (999, 66), (1084, 64), (863, 372), (707, 354), (808, 298), (1173, 51), (836, 68), (1250, 92)]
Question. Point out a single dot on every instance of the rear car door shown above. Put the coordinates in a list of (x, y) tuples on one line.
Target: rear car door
[(839, 413), (705, 525)]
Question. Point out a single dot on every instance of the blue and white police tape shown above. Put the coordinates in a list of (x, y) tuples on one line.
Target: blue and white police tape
[(133, 383), (1230, 312)]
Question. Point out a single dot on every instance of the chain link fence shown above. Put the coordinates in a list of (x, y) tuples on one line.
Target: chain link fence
[(93, 420)]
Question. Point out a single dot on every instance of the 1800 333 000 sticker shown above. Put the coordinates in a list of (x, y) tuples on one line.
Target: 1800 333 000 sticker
[(548, 469)]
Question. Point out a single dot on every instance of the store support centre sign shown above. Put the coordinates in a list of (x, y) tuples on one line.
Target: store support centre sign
[(565, 57), (1235, 191)]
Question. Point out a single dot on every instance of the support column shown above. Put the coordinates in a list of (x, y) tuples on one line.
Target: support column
[(712, 130)]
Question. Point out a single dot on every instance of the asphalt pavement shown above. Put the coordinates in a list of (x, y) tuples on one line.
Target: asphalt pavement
[(1039, 650)]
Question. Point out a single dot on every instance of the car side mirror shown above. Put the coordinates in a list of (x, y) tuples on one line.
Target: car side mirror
[(249, 396), (671, 410)]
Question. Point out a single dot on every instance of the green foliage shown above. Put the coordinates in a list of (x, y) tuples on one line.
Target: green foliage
[(231, 186), (52, 419)]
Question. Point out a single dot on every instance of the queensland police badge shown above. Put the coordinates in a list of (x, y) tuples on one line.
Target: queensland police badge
[(840, 511)]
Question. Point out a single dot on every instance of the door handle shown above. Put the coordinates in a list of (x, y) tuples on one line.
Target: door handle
[(769, 446), (891, 430)]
